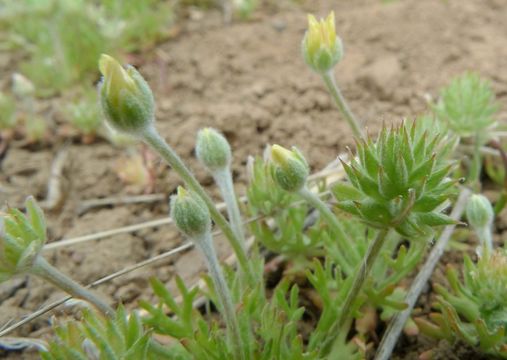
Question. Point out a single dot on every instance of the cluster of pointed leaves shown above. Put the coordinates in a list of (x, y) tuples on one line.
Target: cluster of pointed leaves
[(268, 328), (467, 105), (399, 181), (21, 239), (475, 310), (97, 337)]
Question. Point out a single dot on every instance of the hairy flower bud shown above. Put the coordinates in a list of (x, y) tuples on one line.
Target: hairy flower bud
[(21, 239), (190, 213), (290, 169), (322, 49), (126, 98), (479, 211), (212, 149)]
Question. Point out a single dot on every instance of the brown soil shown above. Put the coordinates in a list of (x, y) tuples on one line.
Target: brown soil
[(249, 81)]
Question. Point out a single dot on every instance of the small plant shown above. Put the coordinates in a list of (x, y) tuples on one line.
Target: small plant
[(86, 117), (96, 335), (474, 311), (348, 247), (467, 105)]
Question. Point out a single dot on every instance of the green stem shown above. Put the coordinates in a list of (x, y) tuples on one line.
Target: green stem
[(205, 243), (223, 178), (153, 139), (475, 169), (323, 209), (338, 98), (44, 270), (361, 275)]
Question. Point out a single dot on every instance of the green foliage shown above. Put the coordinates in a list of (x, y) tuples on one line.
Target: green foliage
[(21, 238), (35, 128), (99, 337), (475, 310), (85, 114), (7, 112), (64, 38), (399, 181), (467, 105), (245, 8)]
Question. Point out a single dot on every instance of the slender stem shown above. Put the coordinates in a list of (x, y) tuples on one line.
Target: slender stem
[(205, 243), (223, 178), (320, 205), (49, 273), (357, 283), (153, 139), (338, 98), (485, 238), (475, 169)]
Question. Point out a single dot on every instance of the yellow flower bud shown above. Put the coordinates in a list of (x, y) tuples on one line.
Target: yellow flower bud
[(322, 49), (126, 98), (290, 169)]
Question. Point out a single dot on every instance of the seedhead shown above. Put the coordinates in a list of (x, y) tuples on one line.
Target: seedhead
[(399, 181), (21, 239), (467, 105)]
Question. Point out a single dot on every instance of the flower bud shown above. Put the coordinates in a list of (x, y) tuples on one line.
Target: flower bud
[(190, 213), (21, 239), (212, 149), (479, 212), (126, 98), (290, 168), (322, 49)]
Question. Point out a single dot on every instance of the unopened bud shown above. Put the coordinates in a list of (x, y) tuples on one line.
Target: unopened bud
[(479, 211), (126, 98), (212, 149), (322, 49), (290, 168), (190, 213)]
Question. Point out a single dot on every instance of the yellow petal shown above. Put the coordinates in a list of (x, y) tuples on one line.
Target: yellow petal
[(280, 155)]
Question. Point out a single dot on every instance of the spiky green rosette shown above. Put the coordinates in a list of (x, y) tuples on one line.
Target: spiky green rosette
[(475, 310), (399, 181), (467, 105), (21, 239)]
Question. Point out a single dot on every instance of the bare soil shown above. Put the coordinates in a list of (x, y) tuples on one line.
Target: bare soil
[(248, 80)]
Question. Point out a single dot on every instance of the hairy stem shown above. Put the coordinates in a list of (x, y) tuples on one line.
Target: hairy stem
[(338, 98), (153, 139), (44, 270), (475, 168), (357, 283), (223, 178), (205, 243), (323, 209)]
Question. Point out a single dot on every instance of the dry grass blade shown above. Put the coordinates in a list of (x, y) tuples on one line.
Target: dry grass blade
[(396, 325)]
